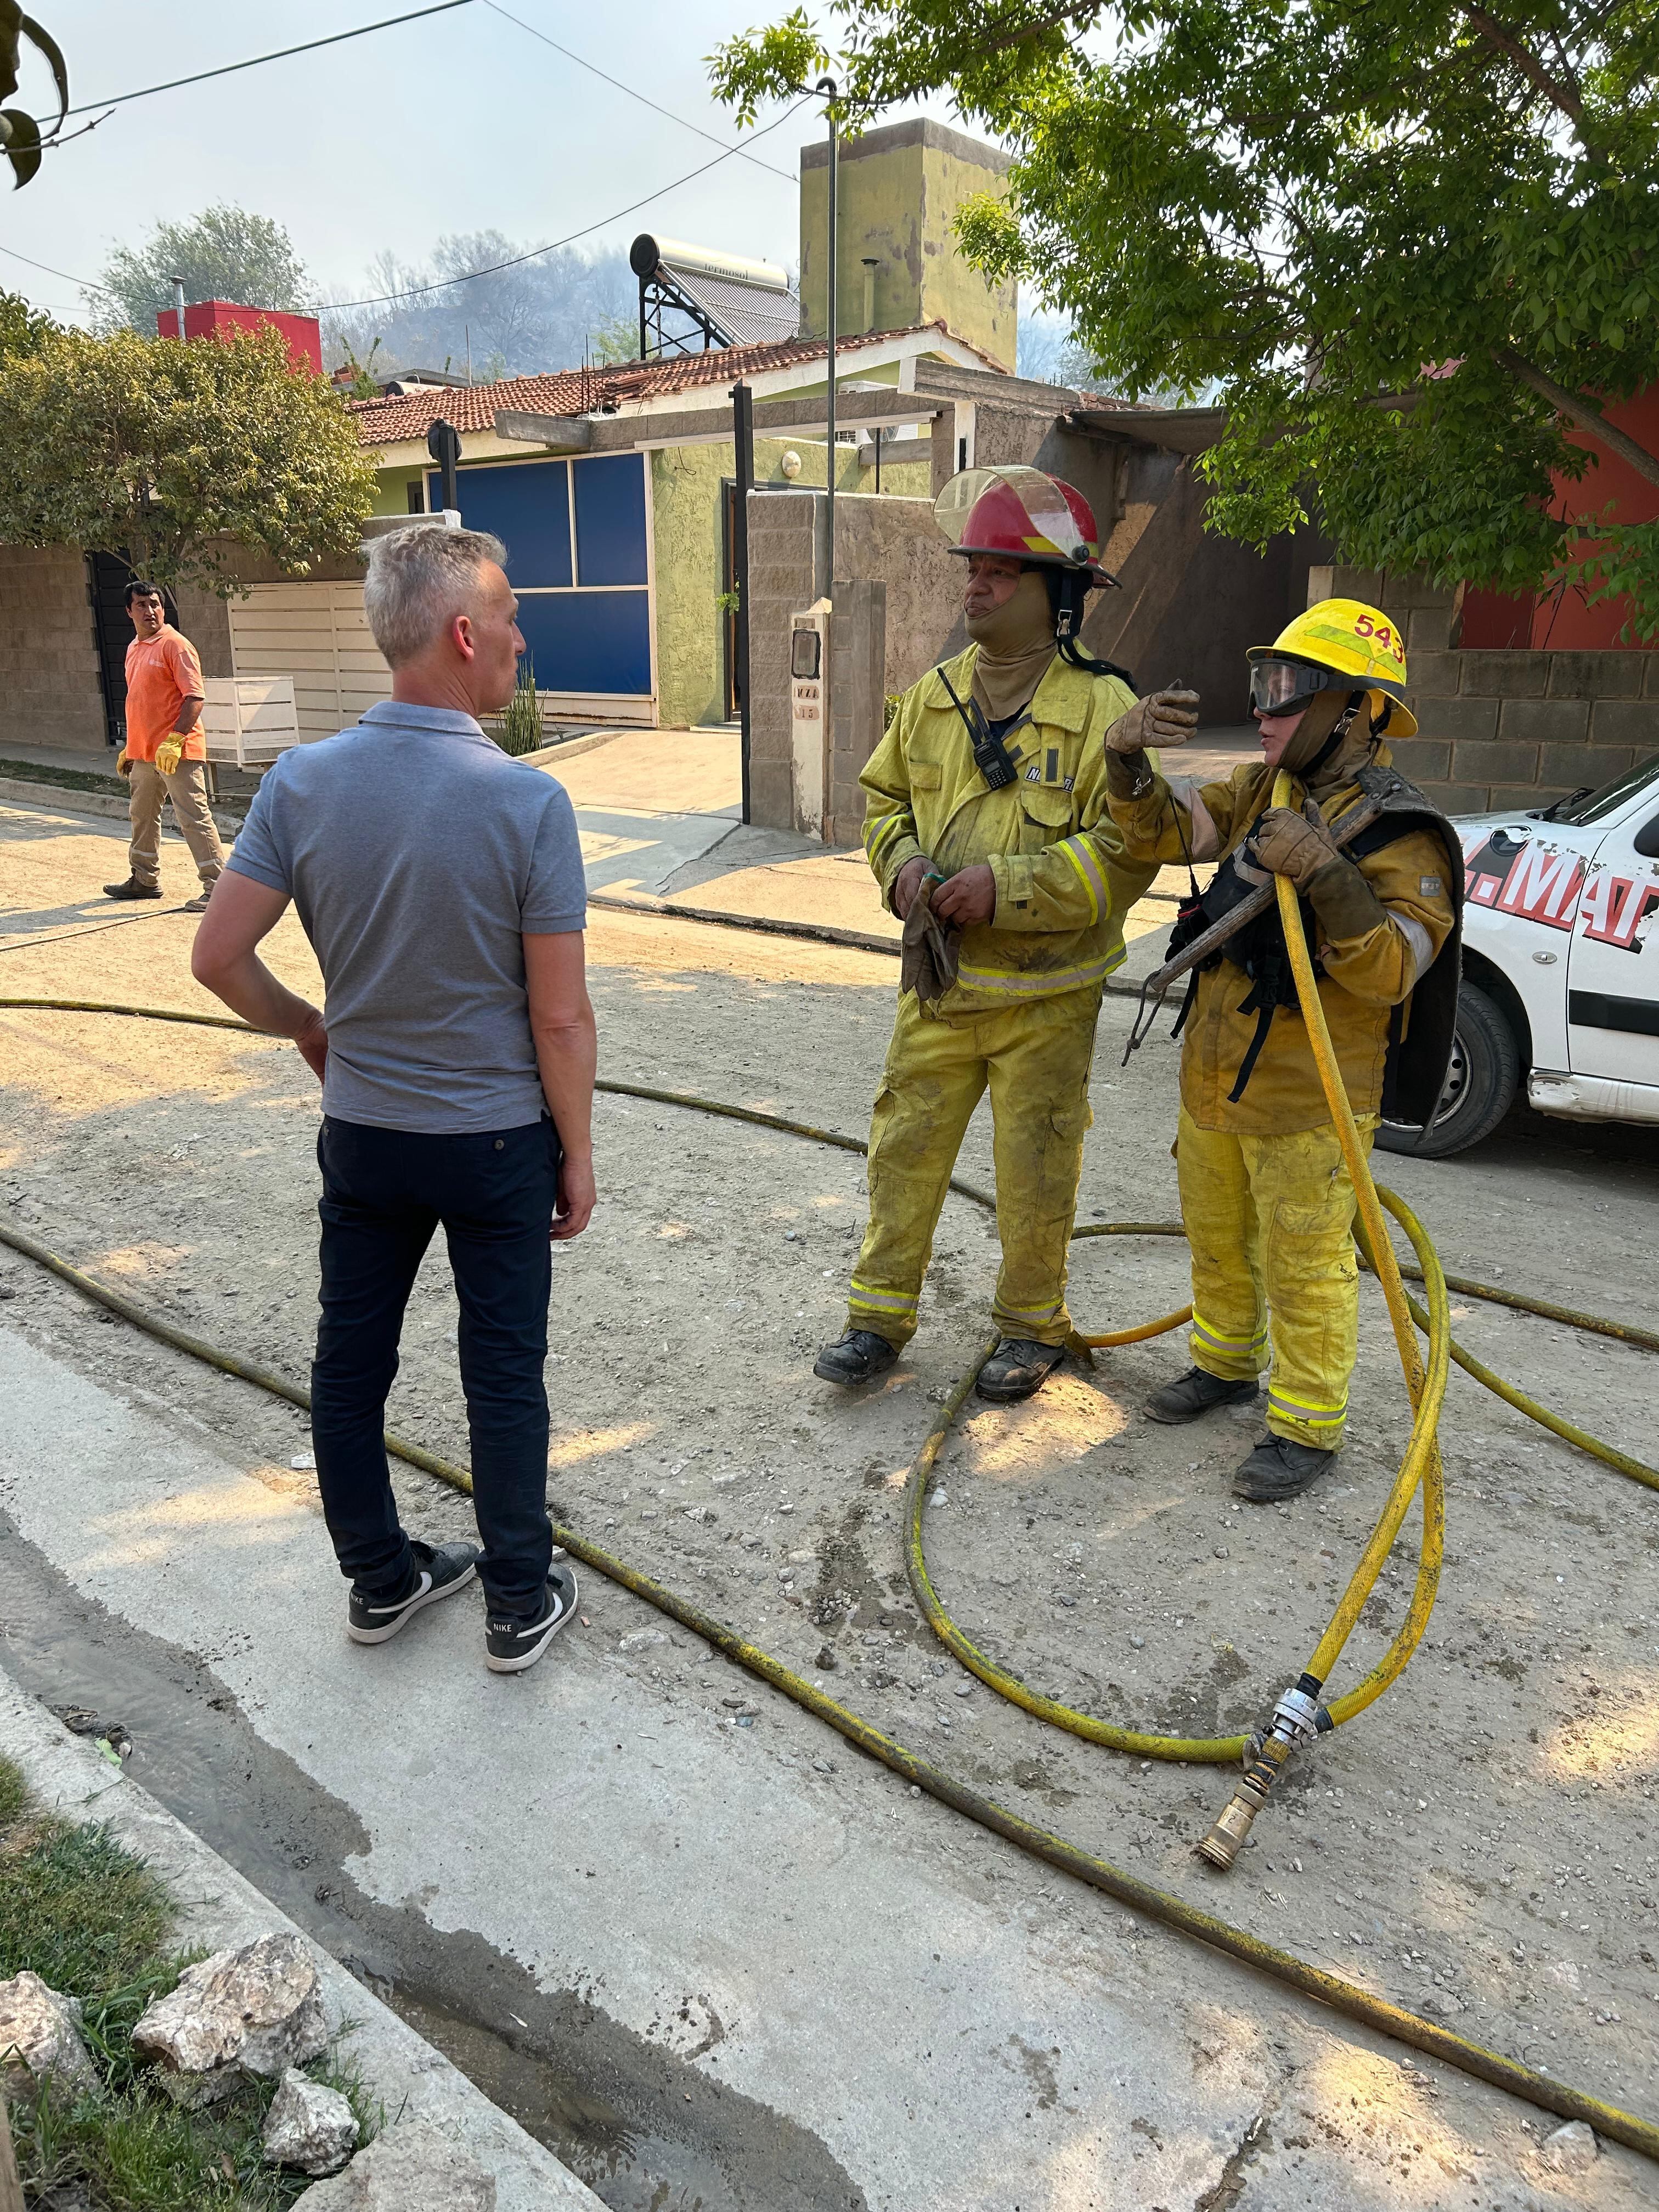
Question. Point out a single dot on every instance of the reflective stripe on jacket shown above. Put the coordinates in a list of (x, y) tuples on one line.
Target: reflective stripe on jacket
[(1361, 980), (1063, 882)]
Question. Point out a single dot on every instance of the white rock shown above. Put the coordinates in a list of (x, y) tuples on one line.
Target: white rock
[(1572, 2150), (41, 2039), (309, 2126), (642, 1639), (411, 2168), (255, 2010)]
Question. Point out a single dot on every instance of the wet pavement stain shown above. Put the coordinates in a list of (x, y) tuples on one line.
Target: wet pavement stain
[(646, 2129)]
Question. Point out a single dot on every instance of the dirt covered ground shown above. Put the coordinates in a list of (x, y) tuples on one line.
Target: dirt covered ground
[(1481, 1846)]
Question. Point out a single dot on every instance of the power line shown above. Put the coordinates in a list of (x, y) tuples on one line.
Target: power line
[(85, 283), (448, 283), (517, 261), (632, 91), (257, 61)]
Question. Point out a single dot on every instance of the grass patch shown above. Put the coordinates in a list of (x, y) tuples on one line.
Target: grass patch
[(14, 1793), (89, 1918)]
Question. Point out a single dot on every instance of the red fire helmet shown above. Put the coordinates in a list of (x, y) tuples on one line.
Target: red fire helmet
[(1022, 513)]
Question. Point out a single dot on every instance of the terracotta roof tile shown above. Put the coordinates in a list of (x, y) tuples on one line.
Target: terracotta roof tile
[(390, 420)]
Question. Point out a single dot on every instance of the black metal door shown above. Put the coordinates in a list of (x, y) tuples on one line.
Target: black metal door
[(729, 587), (108, 578)]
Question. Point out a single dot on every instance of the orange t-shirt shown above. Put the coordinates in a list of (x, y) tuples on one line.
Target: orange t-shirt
[(162, 672)]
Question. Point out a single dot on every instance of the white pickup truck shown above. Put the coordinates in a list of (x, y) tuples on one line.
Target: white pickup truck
[(1560, 967)]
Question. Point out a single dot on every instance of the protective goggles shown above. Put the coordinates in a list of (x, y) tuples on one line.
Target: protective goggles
[(1281, 686)]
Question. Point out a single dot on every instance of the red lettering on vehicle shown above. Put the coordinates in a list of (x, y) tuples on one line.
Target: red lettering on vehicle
[(1614, 906), (1543, 886)]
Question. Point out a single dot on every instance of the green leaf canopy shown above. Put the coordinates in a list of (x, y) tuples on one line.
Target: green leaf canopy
[(1414, 242), (163, 452)]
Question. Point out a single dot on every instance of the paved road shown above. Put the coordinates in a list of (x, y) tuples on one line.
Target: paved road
[(797, 1982)]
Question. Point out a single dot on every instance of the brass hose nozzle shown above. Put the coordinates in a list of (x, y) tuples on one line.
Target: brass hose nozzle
[(1295, 1722)]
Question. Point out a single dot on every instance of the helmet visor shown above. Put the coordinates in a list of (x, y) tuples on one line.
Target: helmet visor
[(1033, 503), (1279, 685)]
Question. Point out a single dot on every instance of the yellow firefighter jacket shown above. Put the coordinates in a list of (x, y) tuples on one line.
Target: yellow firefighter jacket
[(1361, 980), (1063, 882)]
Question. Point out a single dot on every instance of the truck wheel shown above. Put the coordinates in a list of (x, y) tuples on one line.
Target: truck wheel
[(1481, 1085)]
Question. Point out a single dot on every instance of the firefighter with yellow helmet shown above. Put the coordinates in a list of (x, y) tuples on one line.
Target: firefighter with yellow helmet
[(986, 826), (1266, 1200)]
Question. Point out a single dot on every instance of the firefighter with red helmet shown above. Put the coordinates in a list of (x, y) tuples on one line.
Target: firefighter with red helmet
[(988, 827)]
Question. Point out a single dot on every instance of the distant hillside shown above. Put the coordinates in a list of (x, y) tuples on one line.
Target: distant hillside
[(540, 315)]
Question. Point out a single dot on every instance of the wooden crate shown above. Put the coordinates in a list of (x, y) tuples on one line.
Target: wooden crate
[(246, 721)]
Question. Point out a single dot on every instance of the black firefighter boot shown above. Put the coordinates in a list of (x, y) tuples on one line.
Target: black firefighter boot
[(1017, 1369), (1198, 1392), (857, 1356), (1279, 1469)]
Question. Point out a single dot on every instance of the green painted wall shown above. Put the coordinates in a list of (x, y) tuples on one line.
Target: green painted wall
[(686, 521), (391, 491), (900, 188)]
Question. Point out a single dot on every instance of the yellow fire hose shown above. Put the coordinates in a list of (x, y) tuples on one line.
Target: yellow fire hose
[(1420, 1466)]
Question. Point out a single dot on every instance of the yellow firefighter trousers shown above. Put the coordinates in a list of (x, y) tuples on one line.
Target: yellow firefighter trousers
[(1270, 1222), (1035, 1059)]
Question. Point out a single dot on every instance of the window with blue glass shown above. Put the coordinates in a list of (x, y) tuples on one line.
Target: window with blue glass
[(577, 557)]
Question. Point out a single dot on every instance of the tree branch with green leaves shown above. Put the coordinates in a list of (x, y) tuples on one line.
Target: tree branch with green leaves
[(1414, 243), (171, 455)]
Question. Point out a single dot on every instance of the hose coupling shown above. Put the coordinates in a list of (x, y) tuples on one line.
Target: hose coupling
[(1295, 1722)]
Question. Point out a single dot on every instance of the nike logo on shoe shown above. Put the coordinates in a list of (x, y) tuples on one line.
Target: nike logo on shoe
[(419, 1590)]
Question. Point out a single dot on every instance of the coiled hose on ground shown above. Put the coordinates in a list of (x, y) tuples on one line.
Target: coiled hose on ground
[(1421, 1466)]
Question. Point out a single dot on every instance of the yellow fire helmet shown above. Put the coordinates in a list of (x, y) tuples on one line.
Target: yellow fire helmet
[(1339, 643)]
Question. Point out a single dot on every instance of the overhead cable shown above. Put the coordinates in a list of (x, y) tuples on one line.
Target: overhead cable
[(517, 260), (632, 91), (257, 61)]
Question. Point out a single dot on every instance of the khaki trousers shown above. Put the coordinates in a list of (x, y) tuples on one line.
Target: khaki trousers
[(1270, 1221), (187, 788), (1034, 1059)]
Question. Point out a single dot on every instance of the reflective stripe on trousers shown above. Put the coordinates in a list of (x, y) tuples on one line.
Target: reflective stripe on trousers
[(1270, 1223)]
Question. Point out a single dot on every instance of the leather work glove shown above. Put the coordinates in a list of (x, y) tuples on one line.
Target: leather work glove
[(169, 754), (1286, 843), (123, 762), (1162, 717), (1301, 847), (928, 963)]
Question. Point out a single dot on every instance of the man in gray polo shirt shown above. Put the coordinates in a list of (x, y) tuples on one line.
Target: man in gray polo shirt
[(441, 884)]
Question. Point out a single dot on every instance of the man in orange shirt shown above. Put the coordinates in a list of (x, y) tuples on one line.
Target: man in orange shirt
[(165, 756)]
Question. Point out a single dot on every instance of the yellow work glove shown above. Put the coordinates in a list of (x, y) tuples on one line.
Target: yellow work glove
[(168, 753), (123, 762)]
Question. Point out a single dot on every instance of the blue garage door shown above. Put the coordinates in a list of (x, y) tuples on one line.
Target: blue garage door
[(575, 537)]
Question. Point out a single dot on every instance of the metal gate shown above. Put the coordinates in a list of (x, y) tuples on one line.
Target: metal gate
[(318, 635), (578, 538)]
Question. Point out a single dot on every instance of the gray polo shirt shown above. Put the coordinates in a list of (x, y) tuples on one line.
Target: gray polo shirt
[(417, 855)]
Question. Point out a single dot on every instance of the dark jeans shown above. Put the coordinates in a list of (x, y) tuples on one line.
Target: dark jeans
[(384, 1192)]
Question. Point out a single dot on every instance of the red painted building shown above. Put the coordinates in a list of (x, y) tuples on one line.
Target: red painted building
[(1559, 621), (218, 318)]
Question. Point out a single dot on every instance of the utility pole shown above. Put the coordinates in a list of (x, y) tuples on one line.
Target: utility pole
[(743, 440), (827, 87), (443, 442)]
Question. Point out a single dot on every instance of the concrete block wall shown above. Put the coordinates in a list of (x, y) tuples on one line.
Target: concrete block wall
[(1516, 728), (783, 528), (49, 694), (857, 632), (897, 541)]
